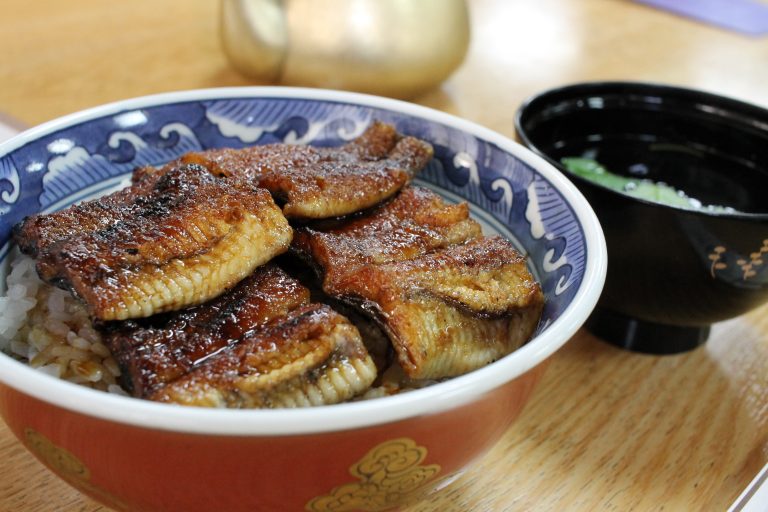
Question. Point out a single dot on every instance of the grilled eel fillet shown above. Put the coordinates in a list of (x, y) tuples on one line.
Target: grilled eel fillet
[(152, 352), (374, 338), (450, 300), (313, 356), (416, 221), (37, 232), (452, 310), (176, 238), (317, 183), (158, 245), (327, 181)]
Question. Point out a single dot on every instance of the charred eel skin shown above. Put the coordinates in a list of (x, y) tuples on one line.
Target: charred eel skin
[(449, 299), (313, 356), (154, 351), (188, 238), (325, 182)]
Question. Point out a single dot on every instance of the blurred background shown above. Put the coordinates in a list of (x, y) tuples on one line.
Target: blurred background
[(61, 57)]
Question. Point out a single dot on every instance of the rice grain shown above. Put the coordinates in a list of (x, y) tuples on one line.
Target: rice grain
[(48, 329)]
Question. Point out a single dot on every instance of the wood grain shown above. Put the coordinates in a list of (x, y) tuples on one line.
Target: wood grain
[(606, 429), (612, 430)]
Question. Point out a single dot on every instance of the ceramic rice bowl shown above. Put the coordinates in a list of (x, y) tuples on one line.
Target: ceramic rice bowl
[(131, 454)]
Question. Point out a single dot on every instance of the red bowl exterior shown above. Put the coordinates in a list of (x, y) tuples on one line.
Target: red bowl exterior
[(374, 468), (369, 469)]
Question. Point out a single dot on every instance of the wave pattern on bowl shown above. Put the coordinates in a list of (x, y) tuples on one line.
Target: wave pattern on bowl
[(80, 158)]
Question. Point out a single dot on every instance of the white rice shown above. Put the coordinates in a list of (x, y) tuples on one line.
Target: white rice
[(50, 330)]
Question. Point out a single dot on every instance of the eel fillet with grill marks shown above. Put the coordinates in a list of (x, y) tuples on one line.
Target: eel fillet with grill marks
[(416, 221), (312, 356), (319, 182), (182, 237), (450, 300), (37, 232), (452, 310), (152, 352)]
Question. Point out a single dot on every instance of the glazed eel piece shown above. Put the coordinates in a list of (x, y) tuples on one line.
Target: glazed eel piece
[(262, 344), (323, 182), (452, 310), (37, 232), (415, 221), (316, 182), (184, 233), (180, 238), (154, 351), (449, 299), (313, 356), (320, 182)]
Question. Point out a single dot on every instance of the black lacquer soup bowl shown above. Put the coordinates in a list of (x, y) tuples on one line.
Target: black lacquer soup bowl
[(672, 270)]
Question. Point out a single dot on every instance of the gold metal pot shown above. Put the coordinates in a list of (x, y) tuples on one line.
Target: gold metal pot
[(397, 48)]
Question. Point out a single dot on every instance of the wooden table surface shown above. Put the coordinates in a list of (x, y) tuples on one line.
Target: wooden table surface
[(606, 429)]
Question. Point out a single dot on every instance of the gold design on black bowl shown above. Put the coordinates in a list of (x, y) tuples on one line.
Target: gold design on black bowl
[(748, 266), (388, 474), (65, 464)]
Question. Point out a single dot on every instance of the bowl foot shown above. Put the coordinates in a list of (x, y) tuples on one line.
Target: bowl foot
[(641, 336)]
